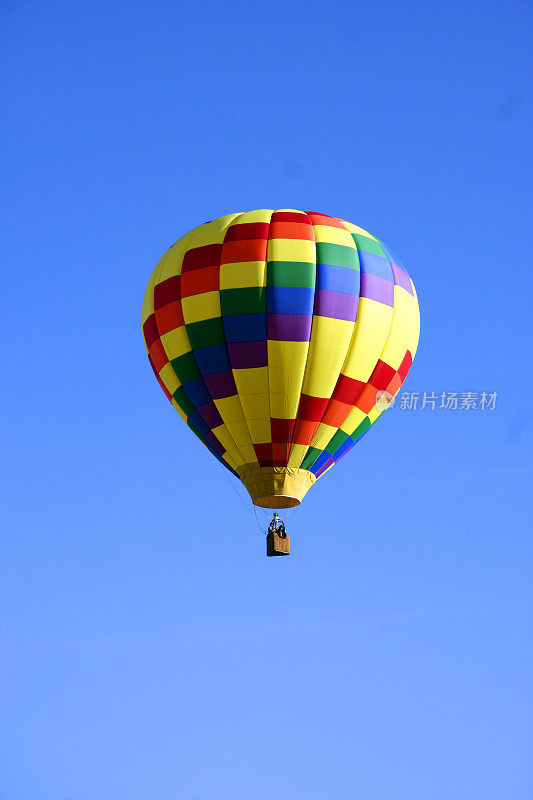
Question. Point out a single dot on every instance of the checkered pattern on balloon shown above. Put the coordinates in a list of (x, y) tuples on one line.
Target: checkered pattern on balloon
[(275, 334)]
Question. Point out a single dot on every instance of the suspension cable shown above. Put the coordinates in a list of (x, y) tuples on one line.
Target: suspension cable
[(244, 503)]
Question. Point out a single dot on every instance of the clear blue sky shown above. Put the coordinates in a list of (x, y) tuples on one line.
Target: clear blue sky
[(150, 649)]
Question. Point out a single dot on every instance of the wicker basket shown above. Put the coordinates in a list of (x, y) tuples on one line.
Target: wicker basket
[(277, 545)]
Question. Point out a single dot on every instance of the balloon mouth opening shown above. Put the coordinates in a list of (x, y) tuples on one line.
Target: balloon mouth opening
[(277, 487), (277, 501)]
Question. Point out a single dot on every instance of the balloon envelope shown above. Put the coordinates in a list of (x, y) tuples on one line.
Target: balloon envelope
[(280, 337)]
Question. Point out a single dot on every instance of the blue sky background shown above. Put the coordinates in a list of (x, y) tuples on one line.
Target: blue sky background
[(150, 650)]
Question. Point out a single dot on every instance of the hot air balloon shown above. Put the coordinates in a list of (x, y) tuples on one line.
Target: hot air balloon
[(280, 337)]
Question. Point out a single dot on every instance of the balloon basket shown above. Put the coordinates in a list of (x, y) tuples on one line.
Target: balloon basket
[(277, 545)]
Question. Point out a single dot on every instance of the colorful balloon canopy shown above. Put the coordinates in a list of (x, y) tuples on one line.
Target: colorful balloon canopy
[(279, 336)]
